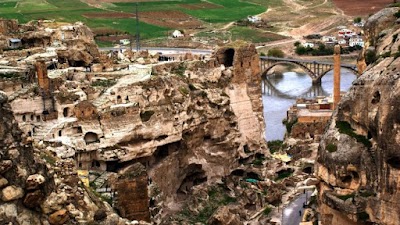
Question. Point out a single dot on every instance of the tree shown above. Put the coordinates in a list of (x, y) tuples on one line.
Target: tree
[(276, 52), (297, 43), (357, 20)]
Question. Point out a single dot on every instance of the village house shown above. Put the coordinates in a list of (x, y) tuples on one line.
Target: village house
[(14, 43), (124, 41), (356, 40), (342, 42), (329, 39), (346, 33), (254, 19), (177, 34), (308, 45)]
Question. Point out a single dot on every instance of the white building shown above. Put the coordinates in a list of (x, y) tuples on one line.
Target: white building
[(177, 34), (342, 42), (329, 39), (356, 40), (308, 45), (254, 19), (124, 41)]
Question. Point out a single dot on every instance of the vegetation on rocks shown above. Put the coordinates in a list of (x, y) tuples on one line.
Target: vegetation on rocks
[(345, 128)]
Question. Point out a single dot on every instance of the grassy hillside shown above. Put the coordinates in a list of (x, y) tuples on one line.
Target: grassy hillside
[(214, 11)]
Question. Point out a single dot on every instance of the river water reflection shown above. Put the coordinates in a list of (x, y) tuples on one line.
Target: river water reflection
[(281, 91)]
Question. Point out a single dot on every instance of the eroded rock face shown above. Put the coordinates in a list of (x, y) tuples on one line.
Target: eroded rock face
[(359, 157)]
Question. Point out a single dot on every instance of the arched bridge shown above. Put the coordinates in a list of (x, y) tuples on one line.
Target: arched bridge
[(315, 69)]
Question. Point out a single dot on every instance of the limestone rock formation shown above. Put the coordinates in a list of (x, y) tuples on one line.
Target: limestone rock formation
[(359, 156)]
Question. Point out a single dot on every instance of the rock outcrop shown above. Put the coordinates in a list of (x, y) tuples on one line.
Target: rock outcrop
[(359, 156)]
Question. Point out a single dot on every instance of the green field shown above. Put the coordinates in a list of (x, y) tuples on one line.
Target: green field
[(72, 10)]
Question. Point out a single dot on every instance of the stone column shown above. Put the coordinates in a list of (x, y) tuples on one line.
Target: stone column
[(336, 76), (43, 79)]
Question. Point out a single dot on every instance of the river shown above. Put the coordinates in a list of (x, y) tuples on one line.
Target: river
[(281, 92)]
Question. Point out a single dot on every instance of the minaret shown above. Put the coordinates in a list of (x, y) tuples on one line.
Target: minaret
[(336, 76)]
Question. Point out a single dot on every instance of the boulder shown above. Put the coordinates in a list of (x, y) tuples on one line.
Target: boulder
[(34, 181), (3, 182), (59, 217), (11, 193), (223, 215), (5, 165), (33, 199), (3, 97)]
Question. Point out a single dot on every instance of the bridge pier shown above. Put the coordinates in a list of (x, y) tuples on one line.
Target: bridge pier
[(316, 81)]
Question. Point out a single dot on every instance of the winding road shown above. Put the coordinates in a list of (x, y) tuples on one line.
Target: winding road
[(291, 214)]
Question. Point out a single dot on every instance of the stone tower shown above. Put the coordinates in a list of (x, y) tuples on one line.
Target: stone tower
[(336, 76)]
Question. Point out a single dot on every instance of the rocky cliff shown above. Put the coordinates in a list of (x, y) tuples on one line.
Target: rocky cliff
[(359, 156)]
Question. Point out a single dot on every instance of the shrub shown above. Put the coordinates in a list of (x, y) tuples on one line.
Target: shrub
[(397, 15), (345, 128), (370, 57), (357, 20), (289, 125), (276, 52), (394, 37), (103, 83), (331, 147), (183, 90), (274, 145), (267, 210)]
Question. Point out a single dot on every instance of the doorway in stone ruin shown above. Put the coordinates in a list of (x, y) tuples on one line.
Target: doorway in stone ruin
[(66, 112), (228, 57)]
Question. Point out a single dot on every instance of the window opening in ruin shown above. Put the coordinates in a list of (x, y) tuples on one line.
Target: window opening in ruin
[(24, 118), (308, 170), (37, 118), (32, 117), (207, 137), (95, 164), (91, 137), (77, 63), (78, 130), (347, 179), (127, 99), (66, 111), (376, 97), (253, 175), (228, 57), (29, 134), (238, 172), (59, 133), (119, 99), (394, 162)]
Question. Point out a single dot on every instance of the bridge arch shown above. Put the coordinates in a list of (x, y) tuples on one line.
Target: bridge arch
[(310, 73), (354, 71)]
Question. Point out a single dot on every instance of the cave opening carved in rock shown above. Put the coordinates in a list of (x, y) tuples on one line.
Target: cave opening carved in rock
[(195, 175), (394, 162), (91, 137)]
